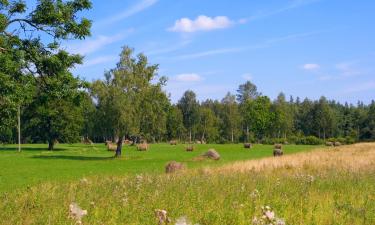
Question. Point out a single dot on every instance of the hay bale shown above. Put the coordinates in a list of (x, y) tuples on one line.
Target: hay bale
[(278, 152), (87, 141), (173, 142), (190, 148), (247, 145), (143, 147), (174, 166), (330, 144), (111, 147), (337, 144), (212, 154), (107, 142), (127, 141), (198, 142), (278, 146)]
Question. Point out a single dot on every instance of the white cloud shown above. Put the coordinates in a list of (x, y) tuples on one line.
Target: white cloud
[(188, 77), (311, 66), (201, 23), (99, 60), (247, 76), (94, 44), (137, 8)]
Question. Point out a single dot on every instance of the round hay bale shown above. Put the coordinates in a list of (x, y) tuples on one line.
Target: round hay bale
[(107, 142), (190, 148), (247, 145), (212, 154), (278, 146), (330, 144), (174, 166), (278, 152), (111, 147), (337, 144), (173, 142), (198, 142), (143, 147)]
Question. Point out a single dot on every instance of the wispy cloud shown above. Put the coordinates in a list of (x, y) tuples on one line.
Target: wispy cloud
[(201, 23), (264, 14), (128, 12), (266, 44), (311, 66), (94, 44), (99, 60), (368, 86), (188, 77), (168, 49), (347, 69)]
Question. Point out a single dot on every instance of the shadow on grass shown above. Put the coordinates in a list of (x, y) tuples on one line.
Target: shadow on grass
[(29, 149), (71, 157)]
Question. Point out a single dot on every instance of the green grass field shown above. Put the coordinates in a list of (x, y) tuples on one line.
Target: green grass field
[(327, 186), (36, 165)]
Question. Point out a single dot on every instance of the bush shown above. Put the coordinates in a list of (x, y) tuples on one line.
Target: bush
[(309, 140)]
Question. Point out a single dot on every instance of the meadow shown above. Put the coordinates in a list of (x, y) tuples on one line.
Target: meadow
[(323, 186), (35, 164)]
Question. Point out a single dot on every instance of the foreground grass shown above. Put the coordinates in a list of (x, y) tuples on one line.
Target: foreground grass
[(330, 186), (35, 165)]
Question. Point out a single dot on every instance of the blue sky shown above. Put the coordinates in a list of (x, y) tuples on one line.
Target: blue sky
[(305, 48)]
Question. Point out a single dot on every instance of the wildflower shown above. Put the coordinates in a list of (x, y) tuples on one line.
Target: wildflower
[(162, 217), (75, 212)]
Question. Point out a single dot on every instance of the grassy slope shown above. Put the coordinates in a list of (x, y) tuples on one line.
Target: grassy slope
[(335, 186), (35, 165)]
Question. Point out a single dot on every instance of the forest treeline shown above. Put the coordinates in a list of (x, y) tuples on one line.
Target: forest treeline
[(41, 101), (127, 104)]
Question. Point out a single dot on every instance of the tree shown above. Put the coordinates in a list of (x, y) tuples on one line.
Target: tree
[(55, 113), (324, 118), (28, 38), (247, 91), (283, 117), (125, 96), (208, 125), (175, 125), (189, 107), (231, 117), (258, 115)]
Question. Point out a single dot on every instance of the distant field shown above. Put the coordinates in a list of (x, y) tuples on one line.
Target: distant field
[(324, 187), (35, 164)]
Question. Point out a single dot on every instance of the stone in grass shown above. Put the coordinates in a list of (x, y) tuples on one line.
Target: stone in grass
[(212, 154), (174, 166), (278, 146), (76, 213)]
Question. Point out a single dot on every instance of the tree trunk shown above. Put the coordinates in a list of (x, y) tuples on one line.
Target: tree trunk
[(247, 133), (119, 147), (232, 136), (19, 128), (51, 145), (190, 135)]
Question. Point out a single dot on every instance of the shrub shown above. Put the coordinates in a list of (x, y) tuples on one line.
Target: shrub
[(309, 140)]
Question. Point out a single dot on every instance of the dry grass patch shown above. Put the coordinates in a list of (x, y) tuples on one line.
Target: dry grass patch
[(350, 157)]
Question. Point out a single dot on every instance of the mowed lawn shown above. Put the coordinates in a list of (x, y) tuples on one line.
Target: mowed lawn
[(73, 161)]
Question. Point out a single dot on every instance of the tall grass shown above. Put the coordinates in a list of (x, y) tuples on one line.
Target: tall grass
[(304, 192)]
